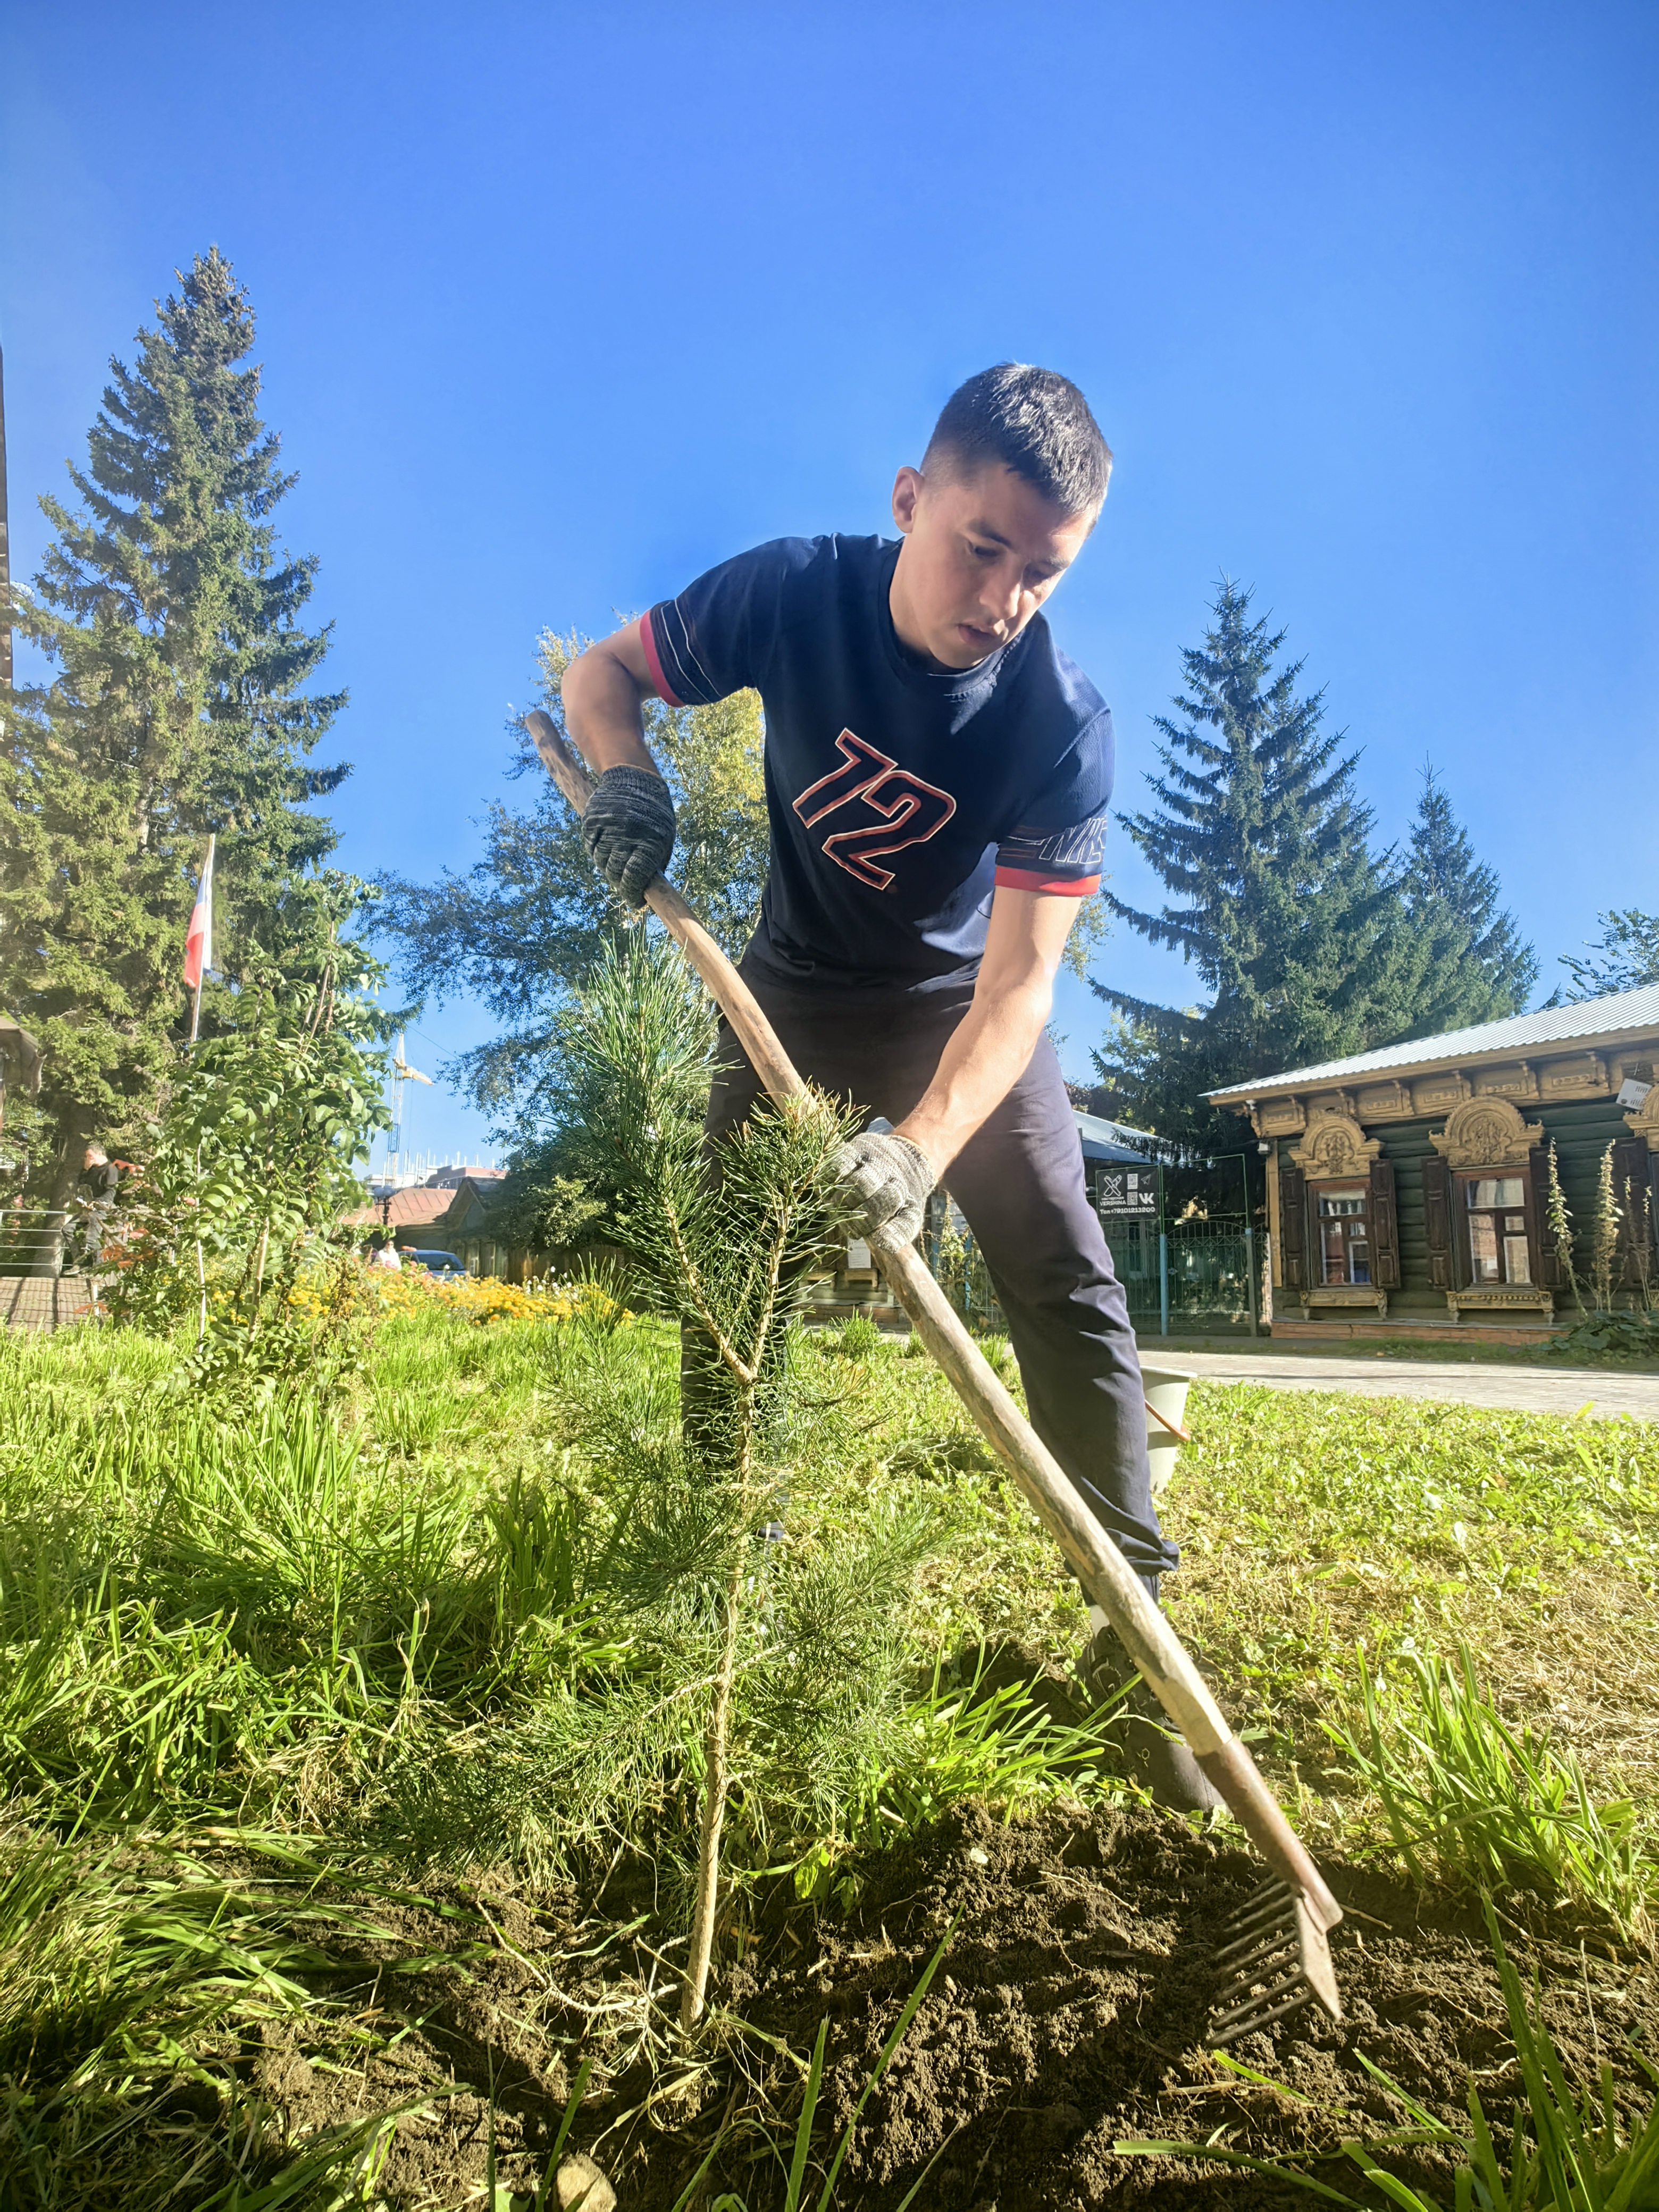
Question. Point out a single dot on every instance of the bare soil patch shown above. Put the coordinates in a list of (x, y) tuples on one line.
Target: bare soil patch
[(1068, 2014)]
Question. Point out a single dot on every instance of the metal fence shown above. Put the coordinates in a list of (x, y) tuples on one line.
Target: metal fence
[(1171, 1276), (34, 1240), (41, 1240)]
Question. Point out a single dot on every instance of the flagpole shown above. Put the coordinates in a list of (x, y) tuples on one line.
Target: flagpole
[(196, 1007)]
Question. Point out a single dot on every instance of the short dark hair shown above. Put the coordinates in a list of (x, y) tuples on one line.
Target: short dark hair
[(1031, 421)]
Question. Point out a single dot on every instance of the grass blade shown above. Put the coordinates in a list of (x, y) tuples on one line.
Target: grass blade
[(804, 2129), (885, 2060)]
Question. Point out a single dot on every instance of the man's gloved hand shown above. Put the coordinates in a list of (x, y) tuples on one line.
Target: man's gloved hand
[(885, 1179), (628, 830)]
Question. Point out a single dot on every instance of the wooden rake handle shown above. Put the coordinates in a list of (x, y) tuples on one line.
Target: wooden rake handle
[(1099, 1565)]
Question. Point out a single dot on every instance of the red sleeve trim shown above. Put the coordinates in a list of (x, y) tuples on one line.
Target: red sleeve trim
[(1029, 879), (653, 661)]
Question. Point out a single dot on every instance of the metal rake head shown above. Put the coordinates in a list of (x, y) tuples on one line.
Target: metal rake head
[(1276, 1959)]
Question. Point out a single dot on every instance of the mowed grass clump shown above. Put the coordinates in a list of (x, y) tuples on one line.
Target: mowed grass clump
[(1466, 1598)]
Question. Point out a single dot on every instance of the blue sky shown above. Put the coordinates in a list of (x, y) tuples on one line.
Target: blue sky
[(560, 305)]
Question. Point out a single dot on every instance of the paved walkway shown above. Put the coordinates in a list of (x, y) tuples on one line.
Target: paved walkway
[(43, 1302), (1601, 1392)]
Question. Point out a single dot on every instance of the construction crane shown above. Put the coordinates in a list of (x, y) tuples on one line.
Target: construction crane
[(402, 1073)]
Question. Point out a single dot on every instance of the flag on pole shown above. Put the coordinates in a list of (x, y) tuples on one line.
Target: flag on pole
[(198, 941)]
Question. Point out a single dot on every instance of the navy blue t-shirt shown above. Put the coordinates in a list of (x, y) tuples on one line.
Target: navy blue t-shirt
[(899, 798)]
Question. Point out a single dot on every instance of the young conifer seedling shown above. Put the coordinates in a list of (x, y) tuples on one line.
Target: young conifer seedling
[(722, 1244)]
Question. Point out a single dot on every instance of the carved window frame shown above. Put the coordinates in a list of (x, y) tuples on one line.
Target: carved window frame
[(1487, 1136), (1462, 1178)]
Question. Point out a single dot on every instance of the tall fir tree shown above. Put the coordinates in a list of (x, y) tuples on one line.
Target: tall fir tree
[(177, 707), (1473, 963), (1292, 923)]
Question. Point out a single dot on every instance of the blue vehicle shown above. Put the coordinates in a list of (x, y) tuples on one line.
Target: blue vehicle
[(435, 1263)]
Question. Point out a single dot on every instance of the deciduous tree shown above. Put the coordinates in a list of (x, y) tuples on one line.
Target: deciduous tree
[(1625, 957), (528, 922)]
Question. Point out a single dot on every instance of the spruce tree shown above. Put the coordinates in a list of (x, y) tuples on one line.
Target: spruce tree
[(1472, 962), (177, 707), (1291, 922)]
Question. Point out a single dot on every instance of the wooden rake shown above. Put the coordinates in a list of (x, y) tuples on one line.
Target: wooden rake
[(1277, 1957)]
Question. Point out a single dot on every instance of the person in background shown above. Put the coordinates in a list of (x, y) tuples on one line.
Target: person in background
[(95, 1196)]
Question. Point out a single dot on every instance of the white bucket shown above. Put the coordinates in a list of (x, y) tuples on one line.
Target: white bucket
[(1166, 1389)]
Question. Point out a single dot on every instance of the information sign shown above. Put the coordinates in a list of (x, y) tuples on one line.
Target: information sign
[(1128, 1192)]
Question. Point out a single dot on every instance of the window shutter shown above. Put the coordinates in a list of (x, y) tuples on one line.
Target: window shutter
[(1385, 1232), (1437, 1222), (1630, 1188), (1293, 1226), (1547, 1269)]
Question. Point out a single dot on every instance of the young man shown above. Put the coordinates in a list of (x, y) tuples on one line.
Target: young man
[(938, 776)]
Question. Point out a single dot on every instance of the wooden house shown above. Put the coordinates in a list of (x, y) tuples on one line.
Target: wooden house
[(1409, 1190)]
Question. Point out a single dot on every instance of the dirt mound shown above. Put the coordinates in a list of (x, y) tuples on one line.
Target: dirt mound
[(1070, 2011)]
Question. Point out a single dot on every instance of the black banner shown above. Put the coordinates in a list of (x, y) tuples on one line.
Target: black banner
[(1127, 1192)]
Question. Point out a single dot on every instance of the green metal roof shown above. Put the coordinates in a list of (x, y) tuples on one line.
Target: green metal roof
[(1592, 1024)]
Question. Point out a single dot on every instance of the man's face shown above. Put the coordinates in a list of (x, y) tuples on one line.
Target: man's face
[(981, 552)]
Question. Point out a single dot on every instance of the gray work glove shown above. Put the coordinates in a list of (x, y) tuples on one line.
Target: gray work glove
[(885, 1181), (628, 830)]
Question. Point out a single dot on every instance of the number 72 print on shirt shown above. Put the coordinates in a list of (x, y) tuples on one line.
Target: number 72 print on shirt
[(908, 811)]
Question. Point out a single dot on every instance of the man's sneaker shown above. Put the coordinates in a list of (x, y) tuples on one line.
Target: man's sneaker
[(1152, 1752)]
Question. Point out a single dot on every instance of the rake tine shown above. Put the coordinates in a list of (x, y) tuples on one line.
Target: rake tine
[(1282, 1987), (1261, 2020), (1271, 1946), (1262, 1929), (1276, 1962)]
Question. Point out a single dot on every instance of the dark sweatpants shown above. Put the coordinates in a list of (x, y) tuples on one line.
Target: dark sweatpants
[(1020, 1184)]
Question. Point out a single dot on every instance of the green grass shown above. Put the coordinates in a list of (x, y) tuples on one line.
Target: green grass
[(1476, 1802), (402, 1635), (1324, 1533)]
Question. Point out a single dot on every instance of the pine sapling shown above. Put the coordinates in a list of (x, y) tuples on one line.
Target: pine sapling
[(723, 1246)]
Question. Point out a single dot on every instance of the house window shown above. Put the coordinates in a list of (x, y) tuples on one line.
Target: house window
[(1344, 1232), (1497, 1230)]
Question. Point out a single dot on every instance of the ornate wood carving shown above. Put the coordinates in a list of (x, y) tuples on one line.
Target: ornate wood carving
[(1345, 1294), (1335, 1148), (1516, 1081), (1501, 1297), (1282, 1117), (1486, 1132), (1385, 1101), (1435, 1093), (1582, 1075)]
